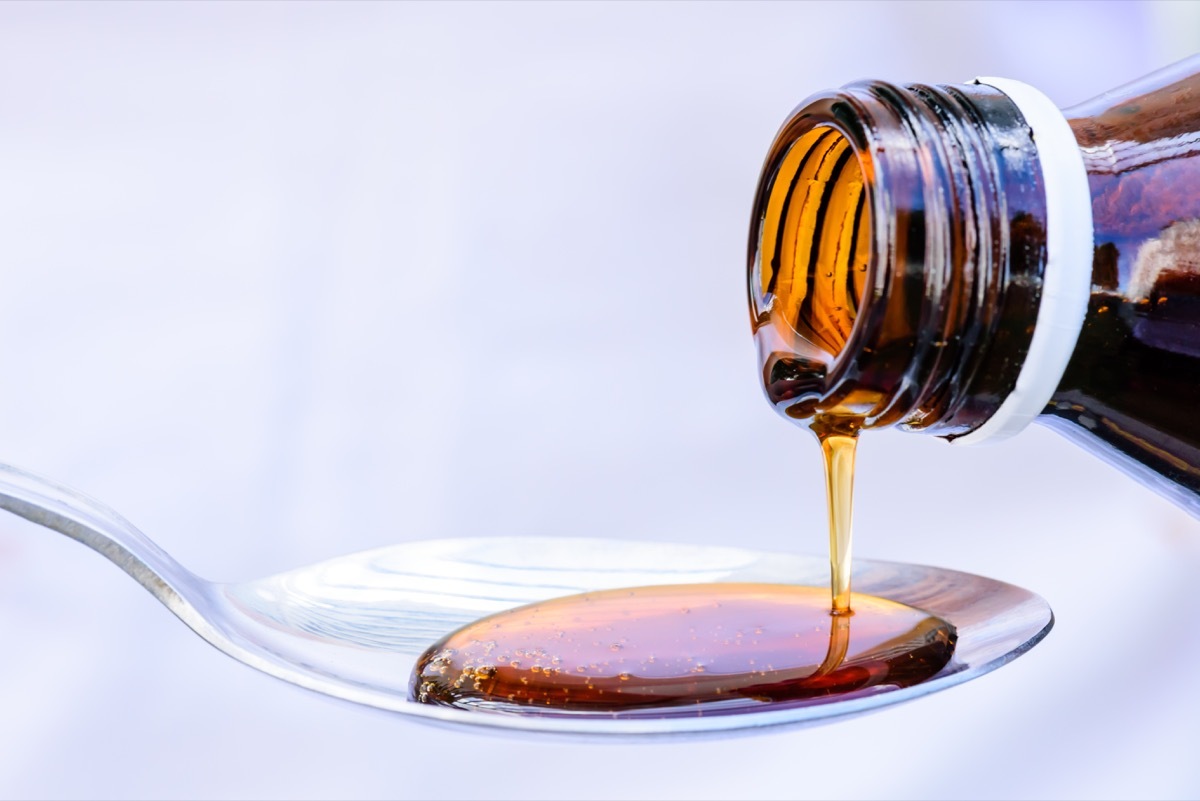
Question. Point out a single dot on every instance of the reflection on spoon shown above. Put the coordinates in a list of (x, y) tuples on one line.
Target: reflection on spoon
[(353, 627)]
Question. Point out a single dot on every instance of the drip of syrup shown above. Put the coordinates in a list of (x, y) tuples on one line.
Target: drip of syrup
[(839, 443)]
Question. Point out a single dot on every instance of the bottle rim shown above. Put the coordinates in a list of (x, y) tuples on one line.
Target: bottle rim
[(980, 213)]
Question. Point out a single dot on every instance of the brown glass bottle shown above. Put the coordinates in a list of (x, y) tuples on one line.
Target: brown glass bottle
[(959, 260)]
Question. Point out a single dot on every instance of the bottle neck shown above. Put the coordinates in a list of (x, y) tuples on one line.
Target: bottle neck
[(899, 256)]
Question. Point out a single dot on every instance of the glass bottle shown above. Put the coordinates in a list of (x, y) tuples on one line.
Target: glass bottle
[(962, 260)]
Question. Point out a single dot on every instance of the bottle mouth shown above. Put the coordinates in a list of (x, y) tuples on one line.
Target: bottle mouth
[(813, 256), (815, 245), (896, 253)]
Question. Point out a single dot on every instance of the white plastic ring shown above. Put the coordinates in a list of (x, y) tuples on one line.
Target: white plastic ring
[(1066, 284)]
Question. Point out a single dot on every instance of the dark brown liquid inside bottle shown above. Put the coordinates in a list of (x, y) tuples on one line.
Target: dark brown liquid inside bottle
[(1132, 387), (681, 650)]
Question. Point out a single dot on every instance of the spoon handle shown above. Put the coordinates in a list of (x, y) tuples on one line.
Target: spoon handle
[(62, 509)]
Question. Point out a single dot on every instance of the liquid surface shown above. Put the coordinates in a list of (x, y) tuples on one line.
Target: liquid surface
[(681, 650)]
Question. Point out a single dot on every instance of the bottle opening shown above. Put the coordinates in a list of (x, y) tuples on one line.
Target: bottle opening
[(816, 240), (896, 255)]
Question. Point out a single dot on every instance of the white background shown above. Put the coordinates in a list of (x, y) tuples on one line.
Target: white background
[(285, 282)]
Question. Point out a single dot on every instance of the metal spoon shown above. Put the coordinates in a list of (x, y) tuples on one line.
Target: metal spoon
[(352, 627)]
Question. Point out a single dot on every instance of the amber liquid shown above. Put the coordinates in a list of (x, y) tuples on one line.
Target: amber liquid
[(681, 650)]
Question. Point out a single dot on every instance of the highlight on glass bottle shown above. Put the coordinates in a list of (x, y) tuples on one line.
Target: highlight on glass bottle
[(925, 257)]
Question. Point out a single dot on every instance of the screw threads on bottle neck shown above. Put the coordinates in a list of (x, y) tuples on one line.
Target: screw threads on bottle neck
[(917, 309)]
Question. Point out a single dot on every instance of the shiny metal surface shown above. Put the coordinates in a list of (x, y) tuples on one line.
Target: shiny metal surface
[(351, 627)]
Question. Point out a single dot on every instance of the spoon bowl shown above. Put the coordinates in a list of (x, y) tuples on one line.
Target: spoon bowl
[(352, 627)]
